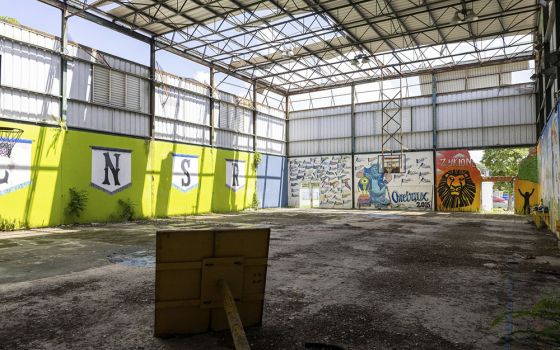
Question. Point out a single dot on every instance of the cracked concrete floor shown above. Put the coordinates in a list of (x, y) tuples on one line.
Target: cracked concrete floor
[(356, 279)]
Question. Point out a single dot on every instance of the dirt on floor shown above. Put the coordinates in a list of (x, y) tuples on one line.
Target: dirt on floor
[(354, 279)]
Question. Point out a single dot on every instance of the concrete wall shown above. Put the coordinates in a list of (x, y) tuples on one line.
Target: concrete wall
[(36, 178)]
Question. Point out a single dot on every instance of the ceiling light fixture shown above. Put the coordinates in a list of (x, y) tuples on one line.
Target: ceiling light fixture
[(359, 59), (462, 16)]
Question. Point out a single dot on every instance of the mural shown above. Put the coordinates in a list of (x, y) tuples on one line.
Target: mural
[(411, 189), (458, 181), (549, 169), (15, 170), (185, 172), (236, 171), (110, 169), (333, 173), (526, 186)]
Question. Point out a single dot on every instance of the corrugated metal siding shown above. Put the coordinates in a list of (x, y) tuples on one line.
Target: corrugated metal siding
[(29, 36), (176, 130), (181, 105), (99, 118), (229, 139), (28, 106), (29, 68), (79, 81), (468, 111), (120, 102)]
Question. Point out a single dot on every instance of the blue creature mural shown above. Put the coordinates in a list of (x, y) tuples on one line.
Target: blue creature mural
[(373, 188)]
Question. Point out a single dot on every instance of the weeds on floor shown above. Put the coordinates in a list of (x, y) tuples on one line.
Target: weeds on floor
[(255, 201), (77, 203), (127, 209), (544, 318), (7, 225)]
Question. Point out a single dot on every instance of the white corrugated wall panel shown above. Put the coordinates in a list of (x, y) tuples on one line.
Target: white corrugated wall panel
[(181, 105), (459, 115), (270, 146), (182, 132), (365, 123), (270, 127), (234, 118), (79, 80), (98, 118), (29, 68), (418, 140), (28, 106), (460, 138), (29, 36), (509, 135), (422, 118), (233, 140), (508, 110), (318, 147), (368, 144)]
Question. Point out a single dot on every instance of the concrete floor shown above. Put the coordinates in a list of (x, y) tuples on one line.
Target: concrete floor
[(357, 279)]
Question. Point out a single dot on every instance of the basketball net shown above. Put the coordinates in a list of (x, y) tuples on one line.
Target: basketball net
[(8, 138)]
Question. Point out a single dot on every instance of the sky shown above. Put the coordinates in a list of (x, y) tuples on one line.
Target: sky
[(37, 15)]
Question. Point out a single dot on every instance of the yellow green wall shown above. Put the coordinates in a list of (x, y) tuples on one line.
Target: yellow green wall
[(61, 159)]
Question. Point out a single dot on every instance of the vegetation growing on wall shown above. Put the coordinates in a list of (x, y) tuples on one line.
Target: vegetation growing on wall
[(77, 203), (127, 211)]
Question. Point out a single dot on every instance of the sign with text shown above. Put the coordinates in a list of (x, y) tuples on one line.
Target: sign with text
[(110, 169), (235, 174), (185, 172), (15, 170)]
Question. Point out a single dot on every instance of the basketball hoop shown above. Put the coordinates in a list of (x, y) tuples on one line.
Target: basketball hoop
[(391, 164), (8, 138)]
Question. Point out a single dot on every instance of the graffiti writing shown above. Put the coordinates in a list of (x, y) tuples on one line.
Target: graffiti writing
[(410, 197)]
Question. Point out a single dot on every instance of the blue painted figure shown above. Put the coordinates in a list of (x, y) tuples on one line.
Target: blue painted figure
[(377, 186)]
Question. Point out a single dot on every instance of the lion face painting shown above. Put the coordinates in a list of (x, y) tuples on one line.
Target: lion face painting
[(456, 189)]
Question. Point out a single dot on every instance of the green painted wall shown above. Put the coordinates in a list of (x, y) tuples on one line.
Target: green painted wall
[(61, 160)]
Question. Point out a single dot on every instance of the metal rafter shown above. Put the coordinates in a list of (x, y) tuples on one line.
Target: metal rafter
[(405, 36)]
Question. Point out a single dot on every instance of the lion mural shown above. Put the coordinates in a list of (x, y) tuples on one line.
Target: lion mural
[(456, 189)]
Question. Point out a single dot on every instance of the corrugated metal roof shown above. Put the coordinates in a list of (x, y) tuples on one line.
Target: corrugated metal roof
[(307, 45)]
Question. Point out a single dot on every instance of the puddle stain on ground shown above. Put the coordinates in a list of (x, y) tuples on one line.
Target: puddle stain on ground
[(141, 258)]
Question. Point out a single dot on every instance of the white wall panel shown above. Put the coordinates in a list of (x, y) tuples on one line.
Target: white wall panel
[(270, 127), (27, 106), (422, 118), (93, 117), (233, 140), (29, 68), (182, 132), (181, 105), (79, 80), (29, 36)]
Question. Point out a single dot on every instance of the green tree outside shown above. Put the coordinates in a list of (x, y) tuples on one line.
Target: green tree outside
[(504, 162)]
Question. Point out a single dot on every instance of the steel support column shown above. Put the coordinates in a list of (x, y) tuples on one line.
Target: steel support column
[(211, 113), (434, 137), (287, 131), (353, 139), (152, 87), (254, 117), (63, 64)]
